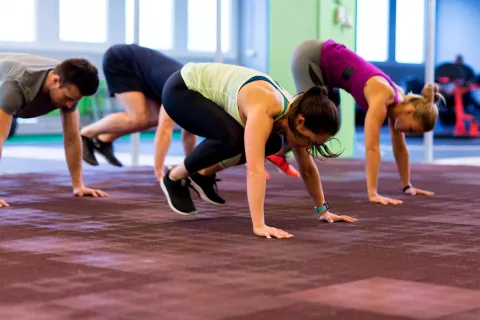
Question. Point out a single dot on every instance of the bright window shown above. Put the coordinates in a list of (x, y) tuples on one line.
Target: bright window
[(410, 31), (372, 29), (129, 21), (83, 21), (202, 25), (18, 20), (155, 23)]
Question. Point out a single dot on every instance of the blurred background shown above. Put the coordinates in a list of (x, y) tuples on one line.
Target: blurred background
[(259, 34)]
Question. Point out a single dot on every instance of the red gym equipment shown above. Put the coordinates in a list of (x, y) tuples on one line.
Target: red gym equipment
[(460, 116), (458, 77)]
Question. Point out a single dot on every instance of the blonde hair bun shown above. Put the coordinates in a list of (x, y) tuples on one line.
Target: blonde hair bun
[(431, 93)]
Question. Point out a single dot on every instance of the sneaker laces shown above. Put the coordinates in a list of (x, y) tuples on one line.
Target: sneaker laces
[(214, 181)]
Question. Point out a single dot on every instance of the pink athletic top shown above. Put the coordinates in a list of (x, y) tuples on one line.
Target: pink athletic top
[(344, 69)]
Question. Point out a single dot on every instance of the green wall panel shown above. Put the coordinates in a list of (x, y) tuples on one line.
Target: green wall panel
[(290, 23)]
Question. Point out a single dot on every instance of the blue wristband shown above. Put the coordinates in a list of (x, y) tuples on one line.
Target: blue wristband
[(322, 209)]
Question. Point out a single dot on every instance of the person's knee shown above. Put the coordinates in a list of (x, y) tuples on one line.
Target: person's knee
[(140, 119), (233, 151), (152, 120), (136, 109), (153, 109), (234, 145)]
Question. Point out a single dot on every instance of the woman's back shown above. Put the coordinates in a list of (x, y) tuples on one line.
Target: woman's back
[(221, 83)]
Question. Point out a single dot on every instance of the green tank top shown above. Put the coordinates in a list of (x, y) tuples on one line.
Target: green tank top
[(221, 83)]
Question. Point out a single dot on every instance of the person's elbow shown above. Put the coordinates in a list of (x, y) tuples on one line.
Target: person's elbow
[(373, 148), (307, 173), (307, 168), (254, 168), (164, 134)]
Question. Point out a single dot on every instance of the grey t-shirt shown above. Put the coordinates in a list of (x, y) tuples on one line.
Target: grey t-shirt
[(21, 81)]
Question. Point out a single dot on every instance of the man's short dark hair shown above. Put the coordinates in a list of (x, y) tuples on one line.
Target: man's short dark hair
[(78, 72)]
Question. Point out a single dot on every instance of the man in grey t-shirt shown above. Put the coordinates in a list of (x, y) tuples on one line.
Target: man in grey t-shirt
[(32, 86)]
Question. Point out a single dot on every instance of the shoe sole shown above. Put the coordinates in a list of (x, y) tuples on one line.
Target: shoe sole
[(119, 164), (93, 162), (202, 194), (97, 151), (90, 162), (281, 171), (164, 189)]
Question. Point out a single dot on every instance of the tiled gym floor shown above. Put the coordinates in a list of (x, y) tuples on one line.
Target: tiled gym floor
[(129, 257)]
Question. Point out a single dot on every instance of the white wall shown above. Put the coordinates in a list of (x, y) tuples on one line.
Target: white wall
[(458, 23)]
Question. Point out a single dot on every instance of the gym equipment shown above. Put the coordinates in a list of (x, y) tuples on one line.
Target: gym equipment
[(462, 78)]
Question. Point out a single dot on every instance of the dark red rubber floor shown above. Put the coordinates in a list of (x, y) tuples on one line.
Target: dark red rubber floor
[(129, 257)]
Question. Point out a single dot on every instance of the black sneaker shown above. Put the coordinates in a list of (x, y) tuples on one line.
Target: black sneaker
[(178, 195), (106, 150), (206, 187), (88, 153)]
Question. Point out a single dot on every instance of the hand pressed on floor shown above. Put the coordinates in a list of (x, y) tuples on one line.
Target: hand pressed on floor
[(384, 200), (85, 191), (331, 217), (3, 203), (419, 192), (268, 232)]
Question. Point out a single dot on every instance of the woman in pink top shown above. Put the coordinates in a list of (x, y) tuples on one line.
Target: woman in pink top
[(335, 66)]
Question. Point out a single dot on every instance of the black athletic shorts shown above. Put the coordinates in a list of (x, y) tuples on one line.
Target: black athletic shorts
[(130, 67), (120, 76)]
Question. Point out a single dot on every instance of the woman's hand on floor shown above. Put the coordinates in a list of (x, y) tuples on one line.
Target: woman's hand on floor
[(3, 203), (331, 217), (418, 192), (384, 200), (268, 232)]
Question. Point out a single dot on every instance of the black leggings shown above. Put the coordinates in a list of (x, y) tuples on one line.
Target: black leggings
[(224, 136)]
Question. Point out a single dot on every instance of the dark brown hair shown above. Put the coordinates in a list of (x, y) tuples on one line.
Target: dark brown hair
[(80, 73), (321, 117)]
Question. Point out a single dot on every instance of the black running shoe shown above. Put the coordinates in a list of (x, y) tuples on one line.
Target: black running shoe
[(106, 150), (88, 153), (206, 187), (178, 195)]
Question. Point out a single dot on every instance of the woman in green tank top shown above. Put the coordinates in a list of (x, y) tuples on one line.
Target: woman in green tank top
[(245, 116)]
